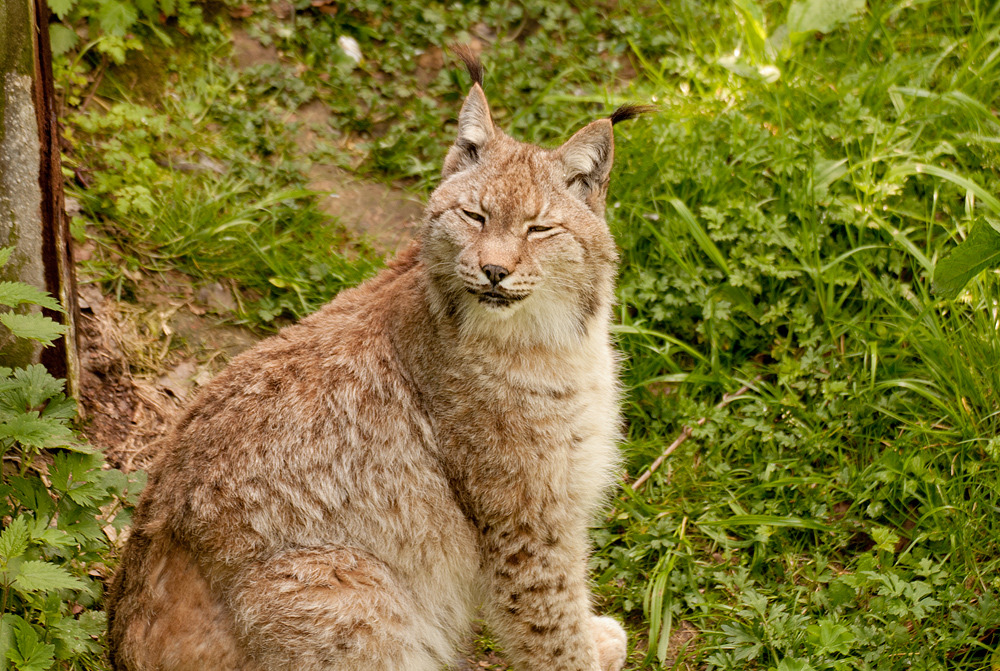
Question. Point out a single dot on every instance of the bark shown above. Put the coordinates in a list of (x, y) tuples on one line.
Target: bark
[(31, 200)]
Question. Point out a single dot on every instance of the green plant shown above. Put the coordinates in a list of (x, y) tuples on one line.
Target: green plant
[(112, 24), (58, 503), (790, 227)]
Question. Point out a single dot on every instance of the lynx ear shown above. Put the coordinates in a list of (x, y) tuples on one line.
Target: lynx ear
[(587, 158), (475, 130)]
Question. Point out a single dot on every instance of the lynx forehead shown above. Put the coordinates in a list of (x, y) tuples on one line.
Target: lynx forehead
[(432, 444)]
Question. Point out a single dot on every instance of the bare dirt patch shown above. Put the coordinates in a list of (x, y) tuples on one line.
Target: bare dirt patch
[(141, 361), (386, 216), (248, 52)]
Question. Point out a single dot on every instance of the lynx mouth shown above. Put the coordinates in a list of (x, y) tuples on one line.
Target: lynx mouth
[(496, 298)]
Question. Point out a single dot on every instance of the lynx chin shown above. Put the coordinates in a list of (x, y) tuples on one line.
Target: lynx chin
[(431, 445)]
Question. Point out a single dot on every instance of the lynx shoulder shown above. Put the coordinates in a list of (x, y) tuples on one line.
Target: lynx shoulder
[(432, 444)]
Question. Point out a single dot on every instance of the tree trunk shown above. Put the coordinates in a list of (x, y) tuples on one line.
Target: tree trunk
[(31, 199)]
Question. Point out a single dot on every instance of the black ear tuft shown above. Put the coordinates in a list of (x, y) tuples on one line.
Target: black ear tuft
[(472, 62), (626, 112)]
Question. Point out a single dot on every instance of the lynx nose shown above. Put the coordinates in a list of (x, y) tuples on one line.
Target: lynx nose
[(495, 274)]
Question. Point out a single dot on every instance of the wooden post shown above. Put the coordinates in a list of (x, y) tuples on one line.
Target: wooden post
[(32, 215)]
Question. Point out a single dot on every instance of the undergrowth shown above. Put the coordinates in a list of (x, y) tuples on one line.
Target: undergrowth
[(781, 223), (60, 505)]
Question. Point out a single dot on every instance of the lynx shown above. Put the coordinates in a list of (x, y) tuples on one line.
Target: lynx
[(352, 492)]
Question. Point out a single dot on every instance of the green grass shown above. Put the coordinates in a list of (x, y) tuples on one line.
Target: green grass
[(843, 513), (777, 233)]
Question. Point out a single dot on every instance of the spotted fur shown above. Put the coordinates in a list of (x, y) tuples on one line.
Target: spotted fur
[(348, 493)]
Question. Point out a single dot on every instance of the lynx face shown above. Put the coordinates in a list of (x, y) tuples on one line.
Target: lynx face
[(515, 238)]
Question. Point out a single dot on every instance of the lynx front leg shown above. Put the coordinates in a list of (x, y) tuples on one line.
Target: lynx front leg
[(539, 606)]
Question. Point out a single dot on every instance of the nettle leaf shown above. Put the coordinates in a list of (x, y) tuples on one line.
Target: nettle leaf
[(821, 16), (116, 17), (16, 293), (34, 327), (79, 635), (27, 428), (14, 539), (28, 653), (61, 38), (32, 386), (32, 494), (147, 7), (79, 522), (5, 253), (41, 576), (980, 251), (61, 7)]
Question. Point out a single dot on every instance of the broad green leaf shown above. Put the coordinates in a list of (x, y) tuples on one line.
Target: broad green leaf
[(980, 251), (116, 17), (789, 664), (41, 576), (5, 253), (29, 429), (61, 38), (31, 493), (70, 469), (78, 634), (821, 16), (61, 8), (34, 327), (32, 386), (15, 293), (28, 653), (14, 539), (56, 538), (147, 7)]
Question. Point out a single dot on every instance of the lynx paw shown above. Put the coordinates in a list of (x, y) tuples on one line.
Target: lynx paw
[(610, 641)]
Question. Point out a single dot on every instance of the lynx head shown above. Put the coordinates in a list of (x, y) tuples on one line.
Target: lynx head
[(514, 237)]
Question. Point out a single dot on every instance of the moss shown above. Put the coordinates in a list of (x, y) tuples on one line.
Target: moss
[(142, 75), (15, 44)]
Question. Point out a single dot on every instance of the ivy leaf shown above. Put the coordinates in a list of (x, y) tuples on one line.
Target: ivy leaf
[(979, 251), (41, 576), (34, 327), (14, 539), (15, 293), (28, 653), (116, 17), (62, 38)]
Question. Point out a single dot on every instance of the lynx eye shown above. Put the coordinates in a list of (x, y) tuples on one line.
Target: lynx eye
[(539, 229), (475, 216)]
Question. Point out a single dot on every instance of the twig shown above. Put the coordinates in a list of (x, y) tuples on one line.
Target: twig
[(97, 82), (685, 434)]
